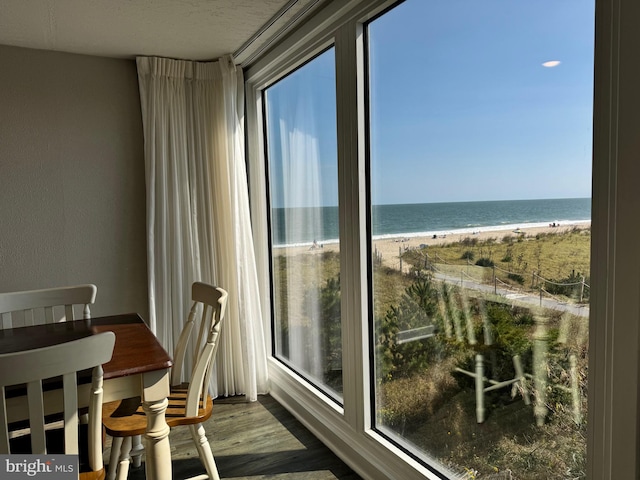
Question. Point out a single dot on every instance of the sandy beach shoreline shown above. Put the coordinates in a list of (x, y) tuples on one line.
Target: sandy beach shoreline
[(391, 247)]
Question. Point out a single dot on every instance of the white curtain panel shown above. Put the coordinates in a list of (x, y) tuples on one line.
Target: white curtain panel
[(198, 223)]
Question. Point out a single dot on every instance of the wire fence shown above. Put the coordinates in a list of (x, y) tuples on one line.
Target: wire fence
[(502, 279)]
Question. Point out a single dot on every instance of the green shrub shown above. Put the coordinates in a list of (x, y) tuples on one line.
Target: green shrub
[(418, 307), (525, 319), (469, 241), (508, 335), (485, 262)]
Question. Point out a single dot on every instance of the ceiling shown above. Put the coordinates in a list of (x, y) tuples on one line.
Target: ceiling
[(185, 29)]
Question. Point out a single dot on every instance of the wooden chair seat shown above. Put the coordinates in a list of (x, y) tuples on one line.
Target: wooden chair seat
[(93, 475), (126, 418)]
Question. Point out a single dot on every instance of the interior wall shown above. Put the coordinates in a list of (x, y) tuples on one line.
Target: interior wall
[(72, 187)]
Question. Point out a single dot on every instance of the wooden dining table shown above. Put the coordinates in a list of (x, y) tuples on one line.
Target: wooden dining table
[(140, 366)]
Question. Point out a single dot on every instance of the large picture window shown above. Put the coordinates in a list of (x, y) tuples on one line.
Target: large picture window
[(480, 162), (301, 139), (426, 254)]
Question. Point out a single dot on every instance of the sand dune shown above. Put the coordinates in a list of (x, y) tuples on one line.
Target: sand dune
[(390, 248)]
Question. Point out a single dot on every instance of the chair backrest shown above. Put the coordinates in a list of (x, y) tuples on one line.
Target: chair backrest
[(64, 360), (33, 307), (209, 304)]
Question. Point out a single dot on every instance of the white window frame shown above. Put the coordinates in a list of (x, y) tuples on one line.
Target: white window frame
[(615, 257), (615, 264)]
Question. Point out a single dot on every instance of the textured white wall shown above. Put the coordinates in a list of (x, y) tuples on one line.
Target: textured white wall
[(72, 189)]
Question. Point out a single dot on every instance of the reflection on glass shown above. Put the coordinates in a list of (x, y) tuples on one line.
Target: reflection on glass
[(480, 212), (301, 138)]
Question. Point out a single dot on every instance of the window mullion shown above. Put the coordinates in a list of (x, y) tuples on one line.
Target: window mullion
[(352, 199)]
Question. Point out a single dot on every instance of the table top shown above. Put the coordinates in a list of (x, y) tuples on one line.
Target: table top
[(137, 350)]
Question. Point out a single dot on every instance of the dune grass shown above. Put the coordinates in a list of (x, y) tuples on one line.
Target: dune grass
[(523, 261)]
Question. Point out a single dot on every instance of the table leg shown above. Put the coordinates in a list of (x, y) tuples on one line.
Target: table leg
[(154, 404)]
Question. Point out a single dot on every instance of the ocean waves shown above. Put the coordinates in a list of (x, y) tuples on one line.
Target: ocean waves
[(303, 226)]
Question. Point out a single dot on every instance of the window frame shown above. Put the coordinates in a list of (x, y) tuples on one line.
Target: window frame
[(613, 431), (332, 395)]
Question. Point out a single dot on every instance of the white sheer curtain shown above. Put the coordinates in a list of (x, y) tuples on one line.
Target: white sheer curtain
[(301, 186), (198, 222)]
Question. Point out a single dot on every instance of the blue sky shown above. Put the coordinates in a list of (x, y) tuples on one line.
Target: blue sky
[(476, 116), (462, 108)]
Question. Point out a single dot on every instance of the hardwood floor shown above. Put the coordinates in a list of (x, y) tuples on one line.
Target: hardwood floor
[(258, 440)]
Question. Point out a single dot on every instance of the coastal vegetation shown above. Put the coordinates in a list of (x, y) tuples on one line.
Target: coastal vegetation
[(558, 263), (423, 396), (425, 390)]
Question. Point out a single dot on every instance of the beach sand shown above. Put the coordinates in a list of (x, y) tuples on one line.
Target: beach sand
[(390, 248)]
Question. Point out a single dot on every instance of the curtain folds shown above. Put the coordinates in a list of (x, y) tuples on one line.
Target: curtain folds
[(198, 223)]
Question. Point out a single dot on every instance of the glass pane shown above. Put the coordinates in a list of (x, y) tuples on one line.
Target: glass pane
[(480, 126), (303, 176)]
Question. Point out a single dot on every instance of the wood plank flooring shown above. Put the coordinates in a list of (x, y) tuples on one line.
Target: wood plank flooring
[(258, 440)]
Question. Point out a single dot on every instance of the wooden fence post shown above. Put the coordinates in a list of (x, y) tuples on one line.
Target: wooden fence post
[(540, 294)]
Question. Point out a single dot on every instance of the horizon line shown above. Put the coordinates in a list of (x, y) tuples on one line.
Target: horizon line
[(455, 201)]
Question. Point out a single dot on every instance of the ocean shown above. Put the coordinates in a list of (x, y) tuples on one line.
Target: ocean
[(303, 226)]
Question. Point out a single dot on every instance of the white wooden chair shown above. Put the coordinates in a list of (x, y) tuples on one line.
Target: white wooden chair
[(189, 403), (31, 367), (49, 305), (34, 307)]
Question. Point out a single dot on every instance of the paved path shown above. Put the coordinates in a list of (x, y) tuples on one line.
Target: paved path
[(519, 297)]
